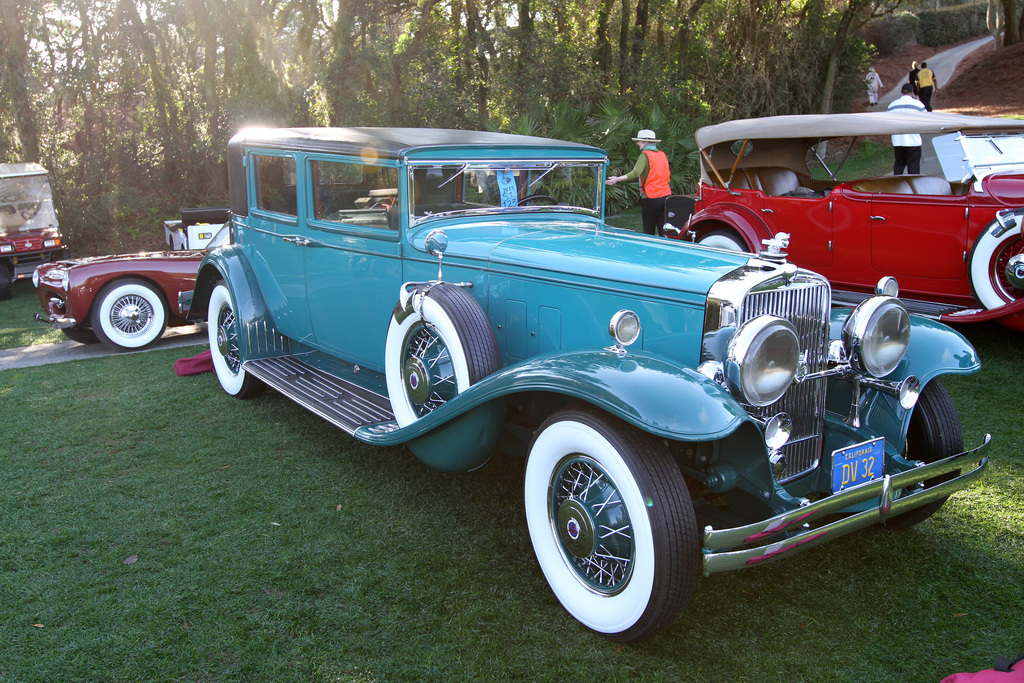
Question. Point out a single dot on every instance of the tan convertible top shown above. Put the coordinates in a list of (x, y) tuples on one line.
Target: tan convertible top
[(815, 127)]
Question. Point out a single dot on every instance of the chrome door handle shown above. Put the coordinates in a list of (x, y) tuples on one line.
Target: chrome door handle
[(301, 241), (767, 211), (878, 218)]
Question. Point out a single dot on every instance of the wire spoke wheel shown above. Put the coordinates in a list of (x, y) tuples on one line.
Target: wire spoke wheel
[(132, 315), (592, 524), (428, 369)]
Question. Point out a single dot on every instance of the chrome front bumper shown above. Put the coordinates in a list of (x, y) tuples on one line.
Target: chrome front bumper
[(720, 545), (55, 321)]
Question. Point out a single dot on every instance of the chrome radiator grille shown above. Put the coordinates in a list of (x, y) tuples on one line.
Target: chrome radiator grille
[(805, 302)]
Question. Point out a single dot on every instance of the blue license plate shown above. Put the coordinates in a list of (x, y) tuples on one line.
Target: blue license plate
[(858, 464)]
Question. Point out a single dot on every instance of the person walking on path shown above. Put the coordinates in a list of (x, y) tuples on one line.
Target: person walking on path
[(913, 75), (874, 82), (927, 85), (652, 171), (906, 148)]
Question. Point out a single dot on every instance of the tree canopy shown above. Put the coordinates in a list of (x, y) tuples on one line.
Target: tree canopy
[(130, 103)]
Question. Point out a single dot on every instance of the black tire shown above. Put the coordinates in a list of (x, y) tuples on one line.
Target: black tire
[(450, 327), (724, 239), (589, 471), (6, 282), (934, 434), (223, 329), (82, 335), (128, 315)]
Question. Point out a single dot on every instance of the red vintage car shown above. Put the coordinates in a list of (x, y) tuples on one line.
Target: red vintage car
[(947, 234), (127, 301)]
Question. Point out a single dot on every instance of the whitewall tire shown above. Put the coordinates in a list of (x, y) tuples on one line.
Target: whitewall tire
[(612, 523), (988, 260), (723, 239), (129, 314), (223, 330), (439, 343)]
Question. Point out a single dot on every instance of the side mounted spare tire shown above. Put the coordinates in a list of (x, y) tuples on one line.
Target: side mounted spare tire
[(439, 344), (988, 260)]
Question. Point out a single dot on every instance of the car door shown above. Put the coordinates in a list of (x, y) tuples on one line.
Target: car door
[(354, 257), (276, 227), (919, 235), (808, 220)]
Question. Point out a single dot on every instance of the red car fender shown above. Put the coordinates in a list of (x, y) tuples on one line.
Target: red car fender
[(1011, 315), (729, 216)]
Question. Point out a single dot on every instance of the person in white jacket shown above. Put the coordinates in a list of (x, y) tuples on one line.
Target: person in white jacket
[(874, 82)]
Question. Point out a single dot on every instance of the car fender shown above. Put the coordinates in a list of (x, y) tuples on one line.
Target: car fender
[(646, 390), (231, 264), (1011, 315), (934, 350), (739, 218)]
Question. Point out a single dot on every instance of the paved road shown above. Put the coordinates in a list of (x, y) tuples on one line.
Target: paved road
[(44, 354), (943, 64)]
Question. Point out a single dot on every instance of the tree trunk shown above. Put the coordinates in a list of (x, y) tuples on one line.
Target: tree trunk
[(604, 45), (14, 56), (1011, 28)]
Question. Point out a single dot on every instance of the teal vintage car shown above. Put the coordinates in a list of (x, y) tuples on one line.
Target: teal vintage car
[(683, 410)]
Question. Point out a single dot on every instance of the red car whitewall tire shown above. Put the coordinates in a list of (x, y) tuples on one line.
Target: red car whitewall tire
[(988, 260), (128, 315)]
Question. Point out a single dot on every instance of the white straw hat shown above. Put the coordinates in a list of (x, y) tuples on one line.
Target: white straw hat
[(646, 136)]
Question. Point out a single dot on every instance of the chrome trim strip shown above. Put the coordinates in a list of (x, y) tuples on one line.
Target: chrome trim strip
[(757, 533)]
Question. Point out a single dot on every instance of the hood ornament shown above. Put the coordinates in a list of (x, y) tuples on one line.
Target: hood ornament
[(775, 248)]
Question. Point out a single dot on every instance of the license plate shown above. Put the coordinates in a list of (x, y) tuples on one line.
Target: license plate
[(858, 464)]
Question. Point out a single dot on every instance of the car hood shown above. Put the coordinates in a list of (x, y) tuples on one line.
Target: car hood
[(588, 251), (193, 255)]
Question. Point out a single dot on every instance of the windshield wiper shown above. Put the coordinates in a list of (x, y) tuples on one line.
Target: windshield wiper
[(553, 167)]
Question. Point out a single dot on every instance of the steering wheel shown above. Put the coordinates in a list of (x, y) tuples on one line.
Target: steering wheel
[(534, 197)]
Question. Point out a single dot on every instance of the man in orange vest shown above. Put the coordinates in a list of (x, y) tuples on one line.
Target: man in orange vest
[(652, 171)]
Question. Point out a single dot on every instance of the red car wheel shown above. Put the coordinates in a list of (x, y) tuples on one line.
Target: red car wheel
[(989, 259)]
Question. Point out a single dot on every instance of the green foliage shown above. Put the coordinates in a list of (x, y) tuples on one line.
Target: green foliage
[(891, 32), (135, 102), (951, 24)]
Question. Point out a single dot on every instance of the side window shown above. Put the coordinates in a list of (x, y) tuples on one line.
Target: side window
[(275, 184), (353, 193)]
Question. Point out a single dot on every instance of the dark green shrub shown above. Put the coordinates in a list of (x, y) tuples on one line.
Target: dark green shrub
[(891, 32), (949, 25)]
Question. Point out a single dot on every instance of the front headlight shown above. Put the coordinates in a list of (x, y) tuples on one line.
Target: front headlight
[(876, 335), (761, 360), (35, 277)]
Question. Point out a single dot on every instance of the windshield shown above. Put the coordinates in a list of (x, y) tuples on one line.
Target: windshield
[(25, 204), (977, 155), (489, 187)]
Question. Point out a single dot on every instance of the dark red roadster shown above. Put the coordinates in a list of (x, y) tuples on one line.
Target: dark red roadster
[(127, 301)]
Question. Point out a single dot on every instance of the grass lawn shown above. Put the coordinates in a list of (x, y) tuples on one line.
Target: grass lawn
[(17, 325), (156, 529)]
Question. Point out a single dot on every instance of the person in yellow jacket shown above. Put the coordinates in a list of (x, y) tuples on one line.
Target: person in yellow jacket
[(927, 85), (652, 171)]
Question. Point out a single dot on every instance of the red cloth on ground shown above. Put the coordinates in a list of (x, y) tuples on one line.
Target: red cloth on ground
[(194, 365)]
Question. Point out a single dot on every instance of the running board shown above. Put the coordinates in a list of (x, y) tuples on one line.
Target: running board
[(338, 401), (927, 309)]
